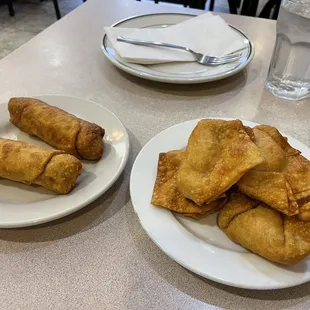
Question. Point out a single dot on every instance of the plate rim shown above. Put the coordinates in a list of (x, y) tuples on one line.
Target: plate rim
[(179, 261), (120, 169), (176, 80)]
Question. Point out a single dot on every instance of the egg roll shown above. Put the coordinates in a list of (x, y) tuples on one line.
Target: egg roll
[(30, 164), (56, 127)]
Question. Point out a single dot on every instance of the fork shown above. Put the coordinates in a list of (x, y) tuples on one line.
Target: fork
[(200, 58)]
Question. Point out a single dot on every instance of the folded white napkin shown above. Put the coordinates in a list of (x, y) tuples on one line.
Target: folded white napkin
[(206, 34)]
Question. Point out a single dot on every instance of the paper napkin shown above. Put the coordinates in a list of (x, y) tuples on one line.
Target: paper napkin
[(208, 34)]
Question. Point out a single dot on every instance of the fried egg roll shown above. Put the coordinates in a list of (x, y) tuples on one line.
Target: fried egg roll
[(30, 164), (58, 128)]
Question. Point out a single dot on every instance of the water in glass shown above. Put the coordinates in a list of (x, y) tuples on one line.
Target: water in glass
[(289, 72)]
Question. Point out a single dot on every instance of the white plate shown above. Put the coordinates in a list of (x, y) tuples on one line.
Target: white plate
[(201, 246), (182, 73), (24, 205)]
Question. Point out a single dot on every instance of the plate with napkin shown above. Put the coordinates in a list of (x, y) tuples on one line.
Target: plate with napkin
[(207, 34)]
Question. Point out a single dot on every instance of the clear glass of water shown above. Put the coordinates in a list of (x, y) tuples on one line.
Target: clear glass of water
[(289, 72)]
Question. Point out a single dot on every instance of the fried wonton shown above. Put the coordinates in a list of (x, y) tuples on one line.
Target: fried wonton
[(279, 139), (218, 154), (298, 167), (166, 194), (297, 170), (298, 175), (265, 231), (304, 209), (207, 209), (283, 178), (267, 182)]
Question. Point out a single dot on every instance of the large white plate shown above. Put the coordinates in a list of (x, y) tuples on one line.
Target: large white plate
[(25, 205), (201, 246), (182, 73)]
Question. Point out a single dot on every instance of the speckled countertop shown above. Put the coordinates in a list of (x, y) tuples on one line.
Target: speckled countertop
[(100, 257)]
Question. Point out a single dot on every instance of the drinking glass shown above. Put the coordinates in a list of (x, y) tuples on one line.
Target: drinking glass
[(289, 71)]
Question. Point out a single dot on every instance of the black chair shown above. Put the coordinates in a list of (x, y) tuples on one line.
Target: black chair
[(57, 11), (233, 5), (56, 6), (196, 4), (10, 7), (269, 6), (171, 1), (200, 4), (249, 8)]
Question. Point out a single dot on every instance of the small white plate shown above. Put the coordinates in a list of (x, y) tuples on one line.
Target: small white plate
[(24, 205), (201, 246), (180, 73)]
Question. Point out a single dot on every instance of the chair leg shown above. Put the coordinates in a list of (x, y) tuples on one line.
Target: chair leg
[(11, 9), (276, 10), (232, 6), (266, 11), (197, 4), (249, 8), (57, 9), (253, 7), (211, 7)]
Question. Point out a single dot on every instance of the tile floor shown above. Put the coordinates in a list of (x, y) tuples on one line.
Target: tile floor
[(33, 16)]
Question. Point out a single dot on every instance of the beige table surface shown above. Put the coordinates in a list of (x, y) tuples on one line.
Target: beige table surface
[(100, 257)]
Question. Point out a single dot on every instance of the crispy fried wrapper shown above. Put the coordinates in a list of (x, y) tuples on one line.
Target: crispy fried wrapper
[(279, 139), (297, 169), (267, 182), (30, 164), (298, 175), (56, 127), (283, 178), (218, 154), (166, 194), (265, 231), (304, 209)]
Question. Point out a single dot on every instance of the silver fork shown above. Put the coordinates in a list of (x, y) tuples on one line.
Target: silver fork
[(200, 58)]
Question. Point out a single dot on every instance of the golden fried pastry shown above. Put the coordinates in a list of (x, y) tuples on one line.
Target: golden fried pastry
[(304, 212), (30, 164), (56, 127), (283, 178), (166, 194), (279, 139), (207, 209), (265, 231), (268, 182), (218, 154), (297, 170), (298, 175), (304, 209)]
